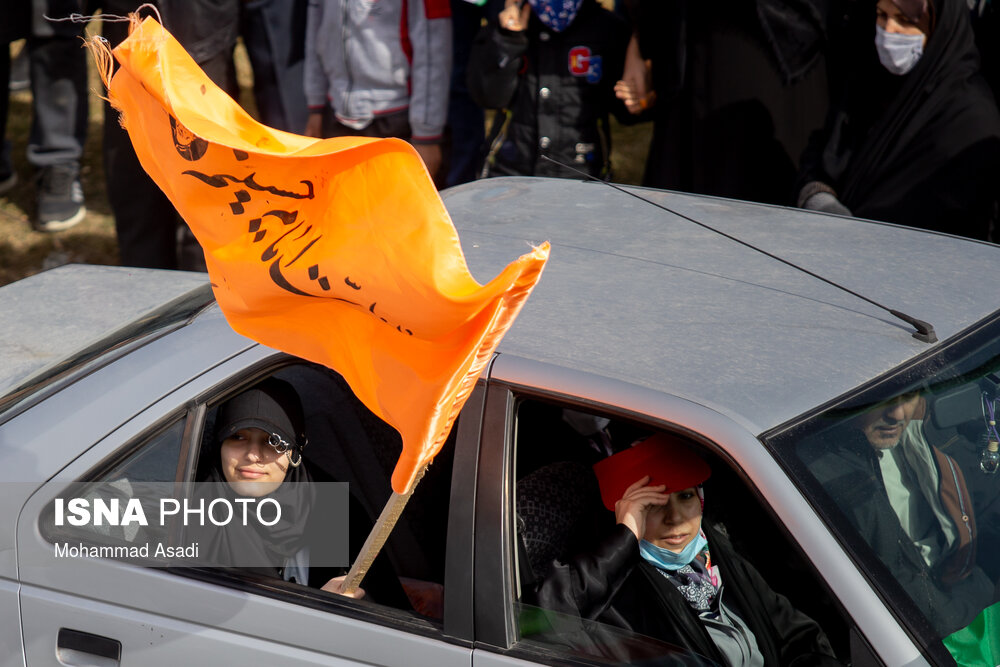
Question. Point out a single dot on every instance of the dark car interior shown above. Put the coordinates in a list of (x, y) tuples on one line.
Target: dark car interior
[(559, 510)]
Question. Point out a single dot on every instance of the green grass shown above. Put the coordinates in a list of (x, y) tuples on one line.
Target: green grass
[(24, 251)]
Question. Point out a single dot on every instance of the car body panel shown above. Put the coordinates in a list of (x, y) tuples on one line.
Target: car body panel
[(67, 309), (121, 390), (37, 443), (11, 649), (736, 330)]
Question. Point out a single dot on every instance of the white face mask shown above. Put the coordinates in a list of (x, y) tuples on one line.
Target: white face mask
[(898, 53)]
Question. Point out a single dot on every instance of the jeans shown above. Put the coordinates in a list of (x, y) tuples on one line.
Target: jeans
[(58, 68)]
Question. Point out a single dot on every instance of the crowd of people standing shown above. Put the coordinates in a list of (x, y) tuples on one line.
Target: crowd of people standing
[(881, 109)]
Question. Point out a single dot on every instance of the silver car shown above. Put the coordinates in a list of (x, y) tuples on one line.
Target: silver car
[(643, 321)]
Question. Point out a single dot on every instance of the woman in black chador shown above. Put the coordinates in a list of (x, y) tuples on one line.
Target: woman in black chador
[(665, 574), (915, 139), (257, 452)]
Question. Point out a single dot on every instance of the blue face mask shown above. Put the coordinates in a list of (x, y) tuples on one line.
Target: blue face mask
[(898, 53), (665, 559), (556, 14)]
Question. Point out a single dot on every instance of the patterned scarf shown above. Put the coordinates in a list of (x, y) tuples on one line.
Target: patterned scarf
[(698, 582)]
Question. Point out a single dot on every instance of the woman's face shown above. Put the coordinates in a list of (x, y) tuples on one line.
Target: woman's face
[(673, 526), (892, 19), (250, 465)]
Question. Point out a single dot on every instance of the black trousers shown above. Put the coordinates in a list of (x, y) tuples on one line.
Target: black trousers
[(146, 222), (396, 124), (274, 33)]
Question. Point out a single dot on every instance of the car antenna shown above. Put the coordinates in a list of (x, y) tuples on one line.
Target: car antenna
[(924, 330)]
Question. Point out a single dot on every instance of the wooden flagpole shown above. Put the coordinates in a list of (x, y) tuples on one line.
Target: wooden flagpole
[(379, 534)]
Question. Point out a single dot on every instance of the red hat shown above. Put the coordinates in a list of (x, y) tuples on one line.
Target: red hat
[(665, 458)]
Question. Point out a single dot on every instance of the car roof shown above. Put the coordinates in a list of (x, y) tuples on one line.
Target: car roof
[(636, 293), (631, 292), (76, 311)]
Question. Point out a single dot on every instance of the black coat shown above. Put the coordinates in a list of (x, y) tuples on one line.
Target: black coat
[(950, 594), (922, 149), (740, 86), (558, 88), (205, 28), (615, 586), (27, 18)]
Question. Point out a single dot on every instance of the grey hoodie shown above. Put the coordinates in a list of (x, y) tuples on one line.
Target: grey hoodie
[(366, 58)]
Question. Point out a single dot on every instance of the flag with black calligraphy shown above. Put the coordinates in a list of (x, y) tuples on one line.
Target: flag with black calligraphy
[(339, 251)]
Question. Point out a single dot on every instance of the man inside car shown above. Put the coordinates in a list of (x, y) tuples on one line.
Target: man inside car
[(909, 501)]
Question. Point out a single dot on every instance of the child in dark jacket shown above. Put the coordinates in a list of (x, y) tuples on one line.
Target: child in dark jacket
[(549, 68)]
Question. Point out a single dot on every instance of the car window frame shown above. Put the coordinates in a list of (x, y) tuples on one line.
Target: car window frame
[(99, 470), (396, 619), (496, 575), (497, 572), (262, 362)]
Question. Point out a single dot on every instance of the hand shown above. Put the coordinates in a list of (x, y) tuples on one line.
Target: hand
[(431, 155), (513, 17), (314, 124), (635, 102), (635, 503), (825, 202), (635, 88), (336, 585)]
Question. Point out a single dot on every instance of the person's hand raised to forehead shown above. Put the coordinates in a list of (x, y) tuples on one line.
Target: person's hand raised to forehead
[(635, 503)]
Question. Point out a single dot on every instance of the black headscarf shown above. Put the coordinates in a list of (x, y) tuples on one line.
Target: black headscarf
[(922, 149), (273, 406)]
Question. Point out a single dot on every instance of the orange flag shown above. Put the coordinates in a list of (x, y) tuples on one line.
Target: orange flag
[(339, 251)]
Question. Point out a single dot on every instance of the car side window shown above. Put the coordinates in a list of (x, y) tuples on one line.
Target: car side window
[(346, 443), (152, 463), (155, 460), (583, 590)]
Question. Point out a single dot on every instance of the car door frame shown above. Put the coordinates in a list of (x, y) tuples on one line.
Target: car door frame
[(358, 632), (876, 637)]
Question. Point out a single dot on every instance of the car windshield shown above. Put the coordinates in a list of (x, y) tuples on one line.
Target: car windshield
[(906, 473)]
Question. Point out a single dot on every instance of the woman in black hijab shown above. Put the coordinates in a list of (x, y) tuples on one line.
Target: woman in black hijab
[(915, 139), (257, 453)]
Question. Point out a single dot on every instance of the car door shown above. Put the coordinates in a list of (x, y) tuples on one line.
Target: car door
[(538, 418), (98, 611)]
